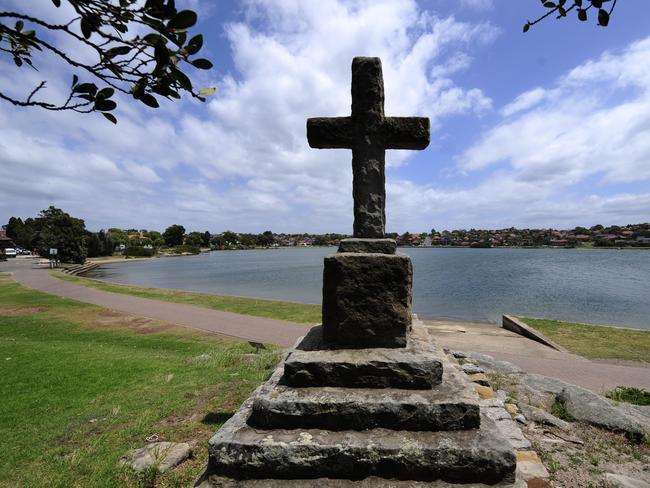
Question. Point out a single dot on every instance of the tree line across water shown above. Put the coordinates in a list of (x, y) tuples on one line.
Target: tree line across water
[(54, 228)]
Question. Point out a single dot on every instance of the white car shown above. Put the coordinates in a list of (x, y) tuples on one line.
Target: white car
[(10, 252)]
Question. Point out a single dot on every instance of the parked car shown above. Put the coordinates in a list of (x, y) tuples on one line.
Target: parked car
[(10, 252)]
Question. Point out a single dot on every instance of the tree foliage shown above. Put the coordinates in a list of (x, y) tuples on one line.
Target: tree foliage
[(145, 65), (57, 229), (562, 8), (174, 235)]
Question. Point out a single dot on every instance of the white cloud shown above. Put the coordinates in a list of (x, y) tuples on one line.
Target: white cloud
[(242, 160)]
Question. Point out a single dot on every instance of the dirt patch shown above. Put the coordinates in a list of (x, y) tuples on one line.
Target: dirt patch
[(141, 325), (8, 311), (575, 465)]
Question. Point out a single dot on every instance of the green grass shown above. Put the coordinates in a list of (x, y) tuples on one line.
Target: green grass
[(628, 394), (82, 385), (274, 309), (595, 341)]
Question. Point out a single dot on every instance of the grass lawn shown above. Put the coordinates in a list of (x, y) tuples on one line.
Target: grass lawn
[(274, 309), (596, 341), (82, 385)]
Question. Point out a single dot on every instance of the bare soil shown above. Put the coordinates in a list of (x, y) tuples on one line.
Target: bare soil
[(7, 311)]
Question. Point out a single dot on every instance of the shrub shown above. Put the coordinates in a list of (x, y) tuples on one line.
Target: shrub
[(628, 394), (143, 252)]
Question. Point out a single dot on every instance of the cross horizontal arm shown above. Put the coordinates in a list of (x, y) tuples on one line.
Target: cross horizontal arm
[(406, 132), (330, 132)]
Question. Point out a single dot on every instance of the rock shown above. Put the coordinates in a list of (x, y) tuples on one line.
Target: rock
[(542, 417), (512, 432), (381, 246), (620, 481), (484, 392), (511, 408), (469, 368), (459, 354), (479, 379), (586, 406), (161, 455), (367, 300), (416, 366), (489, 363), (544, 384), (502, 395), (529, 466), (202, 357), (521, 419)]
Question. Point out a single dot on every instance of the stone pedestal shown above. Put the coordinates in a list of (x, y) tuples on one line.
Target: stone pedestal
[(367, 296), (349, 433)]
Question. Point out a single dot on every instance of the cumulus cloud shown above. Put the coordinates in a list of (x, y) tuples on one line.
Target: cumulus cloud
[(573, 153), (242, 161)]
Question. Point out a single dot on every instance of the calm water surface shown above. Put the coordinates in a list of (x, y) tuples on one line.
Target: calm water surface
[(600, 286)]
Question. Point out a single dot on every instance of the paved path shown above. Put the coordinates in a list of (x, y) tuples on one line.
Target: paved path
[(463, 336), (537, 358), (229, 324)]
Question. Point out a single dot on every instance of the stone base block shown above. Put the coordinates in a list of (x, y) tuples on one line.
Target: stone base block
[(239, 452), (416, 366), (381, 246), (451, 405), (366, 299)]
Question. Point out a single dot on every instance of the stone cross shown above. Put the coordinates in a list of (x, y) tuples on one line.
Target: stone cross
[(368, 133)]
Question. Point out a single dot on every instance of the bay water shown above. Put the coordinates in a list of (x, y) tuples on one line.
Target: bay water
[(592, 286)]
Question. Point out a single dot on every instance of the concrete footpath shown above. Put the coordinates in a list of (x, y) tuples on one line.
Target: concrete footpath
[(461, 336), (227, 324)]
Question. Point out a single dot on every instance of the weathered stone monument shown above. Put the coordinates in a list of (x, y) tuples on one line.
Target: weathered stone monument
[(367, 397)]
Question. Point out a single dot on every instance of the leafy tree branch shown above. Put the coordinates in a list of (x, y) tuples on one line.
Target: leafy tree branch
[(143, 66), (582, 7)]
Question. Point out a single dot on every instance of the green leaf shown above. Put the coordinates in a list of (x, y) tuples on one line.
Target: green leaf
[(201, 63), (86, 27), (562, 11), (161, 53), (57, 3), (603, 17), (194, 45), (28, 33), (183, 20), (19, 25), (526, 27), (182, 79), (105, 93), (550, 4), (153, 39), (117, 51), (110, 117), (86, 88), (578, 3), (597, 3), (105, 105), (206, 92), (18, 61), (582, 14), (149, 100)]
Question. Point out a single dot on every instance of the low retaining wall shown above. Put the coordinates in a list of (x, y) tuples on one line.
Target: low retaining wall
[(515, 325)]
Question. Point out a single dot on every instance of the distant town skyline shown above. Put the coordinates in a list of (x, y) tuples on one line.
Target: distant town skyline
[(542, 130)]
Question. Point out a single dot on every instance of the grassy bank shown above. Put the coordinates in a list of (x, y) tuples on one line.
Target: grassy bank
[(290, 311), (595, 341), (82, 385)]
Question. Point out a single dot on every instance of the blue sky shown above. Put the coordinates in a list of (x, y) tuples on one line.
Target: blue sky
[(543, 129)]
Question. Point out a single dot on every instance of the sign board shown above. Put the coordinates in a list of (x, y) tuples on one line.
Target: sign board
[(54, 251)]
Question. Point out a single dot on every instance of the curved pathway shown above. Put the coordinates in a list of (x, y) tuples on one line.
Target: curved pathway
[(465, 336), (246, 327)]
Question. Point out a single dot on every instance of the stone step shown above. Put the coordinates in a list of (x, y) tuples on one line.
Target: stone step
[(416, 366), (239, 451), (451, 405), (372, 482)]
